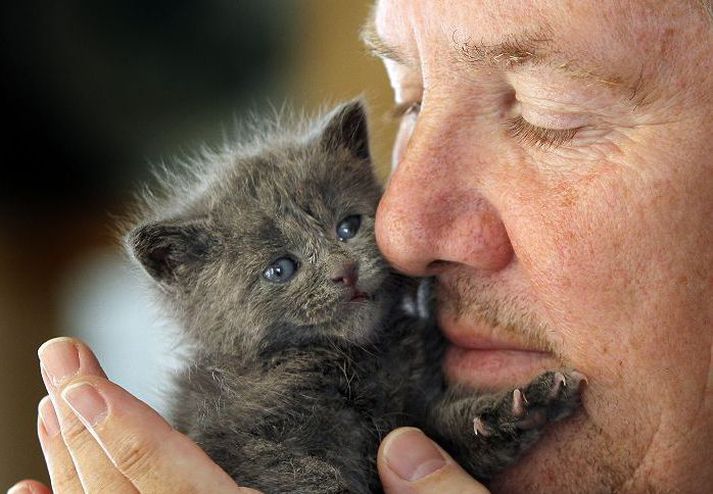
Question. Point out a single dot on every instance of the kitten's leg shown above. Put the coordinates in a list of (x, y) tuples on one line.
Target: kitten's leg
[(486, 433)]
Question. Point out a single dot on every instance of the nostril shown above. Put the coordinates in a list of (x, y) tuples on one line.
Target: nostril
[(347, 274), (435, 267)]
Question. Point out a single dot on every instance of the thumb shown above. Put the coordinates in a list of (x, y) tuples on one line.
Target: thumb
[(410, 463)]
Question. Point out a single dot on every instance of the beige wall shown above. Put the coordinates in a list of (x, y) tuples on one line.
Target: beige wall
[(331, 65), (334, 65)]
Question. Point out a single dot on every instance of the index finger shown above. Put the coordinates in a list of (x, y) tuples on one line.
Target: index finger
[(75, 462), (141, 444)]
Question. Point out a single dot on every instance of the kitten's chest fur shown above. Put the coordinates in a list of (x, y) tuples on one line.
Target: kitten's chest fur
[(331, 402)]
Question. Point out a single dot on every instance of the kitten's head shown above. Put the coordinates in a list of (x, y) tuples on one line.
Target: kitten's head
[(274, 245)]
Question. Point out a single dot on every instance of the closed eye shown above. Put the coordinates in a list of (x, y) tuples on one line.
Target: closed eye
[(517, 126), (527, 133), (404, 109)]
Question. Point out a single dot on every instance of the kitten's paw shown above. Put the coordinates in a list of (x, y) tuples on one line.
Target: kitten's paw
[(550, 397)]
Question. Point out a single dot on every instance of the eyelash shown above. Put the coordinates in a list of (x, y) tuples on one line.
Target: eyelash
[(518, 127), (527, 133), (404, 109)]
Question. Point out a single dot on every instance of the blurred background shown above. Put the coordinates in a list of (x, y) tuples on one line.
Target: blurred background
[(94, 94)]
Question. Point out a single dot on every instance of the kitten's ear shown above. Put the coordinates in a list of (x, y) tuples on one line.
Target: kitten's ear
[(167, 249), (346, 127)]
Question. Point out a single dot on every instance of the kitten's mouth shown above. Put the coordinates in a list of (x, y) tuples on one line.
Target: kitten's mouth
[(359, 296)]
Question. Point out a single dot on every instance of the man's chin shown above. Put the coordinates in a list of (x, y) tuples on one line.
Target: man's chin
[(560, 461), (491, 369)]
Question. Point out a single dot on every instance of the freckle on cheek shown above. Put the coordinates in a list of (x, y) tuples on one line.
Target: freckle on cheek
[(566, 194)]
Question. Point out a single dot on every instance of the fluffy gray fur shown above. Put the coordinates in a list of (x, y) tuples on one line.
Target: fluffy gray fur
[(292, 385)]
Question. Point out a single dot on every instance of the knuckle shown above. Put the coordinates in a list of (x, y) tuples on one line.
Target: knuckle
[(113, 486), (135, 457), (75, 435), (65, 481)]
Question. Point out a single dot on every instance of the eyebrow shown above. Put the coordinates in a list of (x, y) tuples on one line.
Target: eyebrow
[(515, 50), (376, 46)]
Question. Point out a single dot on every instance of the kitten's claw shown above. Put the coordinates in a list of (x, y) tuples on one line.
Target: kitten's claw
[(579, 378), (559, 382), (550, 397), (480, 428), (518, 403)]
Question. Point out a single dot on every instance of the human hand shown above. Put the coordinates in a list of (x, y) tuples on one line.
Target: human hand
[(410, 463), (96, 437)]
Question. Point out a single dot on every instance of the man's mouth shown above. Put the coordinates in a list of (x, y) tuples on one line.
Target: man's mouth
[(480, 356)]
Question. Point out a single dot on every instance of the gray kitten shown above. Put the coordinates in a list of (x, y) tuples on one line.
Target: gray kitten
[(303, 350)]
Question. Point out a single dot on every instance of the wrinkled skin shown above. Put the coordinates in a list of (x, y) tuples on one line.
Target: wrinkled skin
[(595, 249)]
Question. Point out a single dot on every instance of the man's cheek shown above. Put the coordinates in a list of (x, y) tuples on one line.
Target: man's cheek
[(571, 236), (575, 246)]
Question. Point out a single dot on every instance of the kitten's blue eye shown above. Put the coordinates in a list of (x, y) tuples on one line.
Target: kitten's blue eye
[(280, 271), (348, 227)]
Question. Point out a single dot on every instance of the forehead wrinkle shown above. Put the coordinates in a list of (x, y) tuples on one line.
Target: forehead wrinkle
[(537, 47), (514, 51)]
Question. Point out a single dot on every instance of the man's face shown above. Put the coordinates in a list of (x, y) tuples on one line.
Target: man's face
[(554, 170)]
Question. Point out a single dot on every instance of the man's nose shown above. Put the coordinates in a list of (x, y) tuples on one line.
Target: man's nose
[(434, 214)]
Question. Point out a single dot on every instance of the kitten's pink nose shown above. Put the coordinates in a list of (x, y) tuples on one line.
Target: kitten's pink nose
[(347, 275)]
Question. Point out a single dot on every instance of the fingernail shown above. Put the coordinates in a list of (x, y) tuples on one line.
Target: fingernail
[(411, 455), (60, 359), (48, 416), (86, 402), (19, 489)]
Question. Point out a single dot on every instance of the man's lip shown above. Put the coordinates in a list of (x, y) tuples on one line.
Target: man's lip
[(477, 335), (483, 357), (474, 341), (494, 369)]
